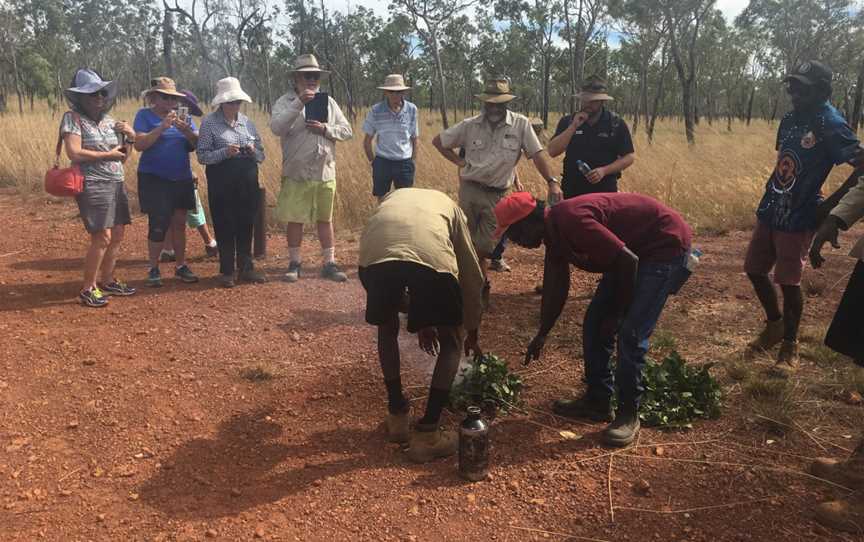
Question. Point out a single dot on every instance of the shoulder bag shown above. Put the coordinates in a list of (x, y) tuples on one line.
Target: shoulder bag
[(64, 182)]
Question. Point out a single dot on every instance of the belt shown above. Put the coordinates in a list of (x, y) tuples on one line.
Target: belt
[(486, 187)]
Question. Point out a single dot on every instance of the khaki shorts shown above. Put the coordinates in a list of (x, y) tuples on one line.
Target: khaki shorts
[(305, 202), (786, 252), (478, 204)]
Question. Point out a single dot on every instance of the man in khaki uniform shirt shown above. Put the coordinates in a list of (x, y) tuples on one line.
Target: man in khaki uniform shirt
[(493, 142), (418, 240)]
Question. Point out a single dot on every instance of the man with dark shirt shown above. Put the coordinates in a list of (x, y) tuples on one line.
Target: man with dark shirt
[(596, 136), (641, 247)]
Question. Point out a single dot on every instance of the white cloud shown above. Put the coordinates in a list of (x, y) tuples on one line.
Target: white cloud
[(731, 8)]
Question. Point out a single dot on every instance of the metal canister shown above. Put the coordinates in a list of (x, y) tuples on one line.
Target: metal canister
[(474, 446)]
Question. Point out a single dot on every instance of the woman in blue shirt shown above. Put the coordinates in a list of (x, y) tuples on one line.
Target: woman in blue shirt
[(166, 190)]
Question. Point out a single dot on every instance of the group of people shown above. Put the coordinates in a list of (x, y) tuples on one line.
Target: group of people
[(425, 255)]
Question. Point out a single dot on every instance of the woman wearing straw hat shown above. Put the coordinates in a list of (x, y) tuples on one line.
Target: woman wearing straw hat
[(230, 148), (91, 139), (393, 122), (166, 190)]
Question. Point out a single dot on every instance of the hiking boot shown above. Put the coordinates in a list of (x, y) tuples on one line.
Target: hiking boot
[(226, 281), (624, 429), (598, 410), (848, 473), (92, 297), (167, 256), (116, 287), (787, 360), (185, 274), (154, 277), (293, 273), (428, 443), (769, 337), (249, 274), (499, 265), (212, 252), (538, 289), (331, 271), (397, 427), (844, 515)]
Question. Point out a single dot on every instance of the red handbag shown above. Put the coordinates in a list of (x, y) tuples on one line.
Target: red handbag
[(64, 182)]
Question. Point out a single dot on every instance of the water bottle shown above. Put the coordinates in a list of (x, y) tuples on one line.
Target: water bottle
[(583, 167), (474, 447), (693, 259)]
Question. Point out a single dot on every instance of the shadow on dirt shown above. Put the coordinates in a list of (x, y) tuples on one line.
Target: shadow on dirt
[(71, 264)]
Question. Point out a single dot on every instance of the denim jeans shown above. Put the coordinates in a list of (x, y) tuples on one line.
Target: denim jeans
[(498, 253), (654, 283)]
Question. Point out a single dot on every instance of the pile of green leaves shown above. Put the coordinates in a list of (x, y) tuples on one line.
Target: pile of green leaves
[(677, 393), (487, 382)]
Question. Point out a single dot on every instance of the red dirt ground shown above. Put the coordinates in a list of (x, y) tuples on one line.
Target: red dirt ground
[(133, 422)]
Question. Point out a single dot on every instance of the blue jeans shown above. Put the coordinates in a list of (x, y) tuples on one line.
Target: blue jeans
[(654, 283), (389, 172), (498, 253)]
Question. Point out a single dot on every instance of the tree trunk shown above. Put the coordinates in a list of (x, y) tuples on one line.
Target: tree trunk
[(168, 43), (855, 121), (750, 104), (649, 126), (436, 52), (18, 91), (547, 69)]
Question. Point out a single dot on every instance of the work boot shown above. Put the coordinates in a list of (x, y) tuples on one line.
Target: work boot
[(787, 360), (430, 442), (397, 426), (597, 410), (250, 274), (624, 429), (769, 337), (848, 473), (331, 271), (843, 515), (499, 265)]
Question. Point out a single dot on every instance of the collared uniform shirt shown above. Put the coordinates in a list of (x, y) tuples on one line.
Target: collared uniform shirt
[(217, 134), (427, 228), (307, 156), (597, 146), (393, 130), (850, 210), (491, 154)]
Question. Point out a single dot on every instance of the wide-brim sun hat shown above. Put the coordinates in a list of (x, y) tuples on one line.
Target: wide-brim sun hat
[(394, 83), (162, 85), (87, 81), (307, 63), (496, 91), (229, 90), (191, 102), (511, 209)]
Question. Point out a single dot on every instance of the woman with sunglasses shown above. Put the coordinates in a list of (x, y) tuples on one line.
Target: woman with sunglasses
[(92, 140), (166, 189)]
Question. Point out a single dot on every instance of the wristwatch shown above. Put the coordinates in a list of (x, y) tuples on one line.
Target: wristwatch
[(553, 180)]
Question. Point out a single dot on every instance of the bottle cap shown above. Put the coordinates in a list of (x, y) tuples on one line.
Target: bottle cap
[(474, 410)]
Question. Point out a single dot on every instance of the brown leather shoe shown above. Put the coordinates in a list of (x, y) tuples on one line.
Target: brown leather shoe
[(787, 360), (770, 336), (425, 446), (845, 515), (848, 472)]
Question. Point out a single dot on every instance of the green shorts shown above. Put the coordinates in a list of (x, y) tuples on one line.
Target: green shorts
[(195, 218), (305, 202)]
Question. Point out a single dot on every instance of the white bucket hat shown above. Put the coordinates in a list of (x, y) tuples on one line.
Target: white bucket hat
[(228, 90), (307, 63), (86, 81), (394, 83)]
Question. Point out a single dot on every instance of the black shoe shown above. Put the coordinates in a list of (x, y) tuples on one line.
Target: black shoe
[(597, 410), (117, 287), (624, 429), (185, 274), (154, 277), (212, 252), (249, 274), (226, 281)]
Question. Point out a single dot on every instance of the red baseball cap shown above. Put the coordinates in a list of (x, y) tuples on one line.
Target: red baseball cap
[(513, 208)]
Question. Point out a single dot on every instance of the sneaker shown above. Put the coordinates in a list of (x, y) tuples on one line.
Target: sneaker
[(226, 281), (499, 265), (185, 274), (624, 429), (249, 274), (167, 256), (425, 446), (397, 427), (331, 271), (293, 274), (770, 336), (787, 360), (843, 515), (154, 277), (92, 297), (116, 287), (212, 252), (585, 408)]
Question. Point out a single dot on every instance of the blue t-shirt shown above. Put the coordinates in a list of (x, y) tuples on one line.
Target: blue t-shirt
[(394, 130), (808, 146), (169, 156)]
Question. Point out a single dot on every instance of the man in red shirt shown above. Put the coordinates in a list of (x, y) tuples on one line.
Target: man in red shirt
[(642, 248)]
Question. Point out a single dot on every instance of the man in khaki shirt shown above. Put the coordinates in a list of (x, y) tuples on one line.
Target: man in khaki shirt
[(493, 142), (417, 240)]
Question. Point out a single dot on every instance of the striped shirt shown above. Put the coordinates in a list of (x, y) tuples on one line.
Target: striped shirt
[(216, 134), (394, 130), (95, 136)]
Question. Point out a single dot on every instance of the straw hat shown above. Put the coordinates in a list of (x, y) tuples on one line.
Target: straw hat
[(593, 89), (496, 91), (228, 90), (307, 63), (394, 83), (162, 85), (86, 81)]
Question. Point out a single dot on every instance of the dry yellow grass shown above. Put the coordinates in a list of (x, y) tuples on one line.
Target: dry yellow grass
[(715, 184)]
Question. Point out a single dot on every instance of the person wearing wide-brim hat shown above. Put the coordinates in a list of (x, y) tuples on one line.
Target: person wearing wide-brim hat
[(493, 143), (92, 140), (166, 189), (597, 143), (393, 123), (308, 123), (231, 150)]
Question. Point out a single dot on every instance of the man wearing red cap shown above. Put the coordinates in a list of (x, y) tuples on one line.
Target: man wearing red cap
[(642, 249)]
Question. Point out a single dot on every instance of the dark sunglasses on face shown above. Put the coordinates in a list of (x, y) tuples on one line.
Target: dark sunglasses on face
[(235, 102), (103, 93), (312, 76)]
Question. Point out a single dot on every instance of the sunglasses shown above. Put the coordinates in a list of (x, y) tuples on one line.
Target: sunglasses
[(235, 102), (312, 76), (103, 93)]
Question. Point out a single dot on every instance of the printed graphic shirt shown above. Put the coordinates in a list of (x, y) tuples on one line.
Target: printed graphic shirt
[(168, 157), (217, 134), (95, 136), (394, 130), (808, 146)]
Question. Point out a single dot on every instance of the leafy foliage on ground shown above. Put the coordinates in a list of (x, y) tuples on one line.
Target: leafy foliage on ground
[(487, 382), (677, 393)]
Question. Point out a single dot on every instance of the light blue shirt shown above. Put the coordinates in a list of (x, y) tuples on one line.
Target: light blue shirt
[(394, 130)]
